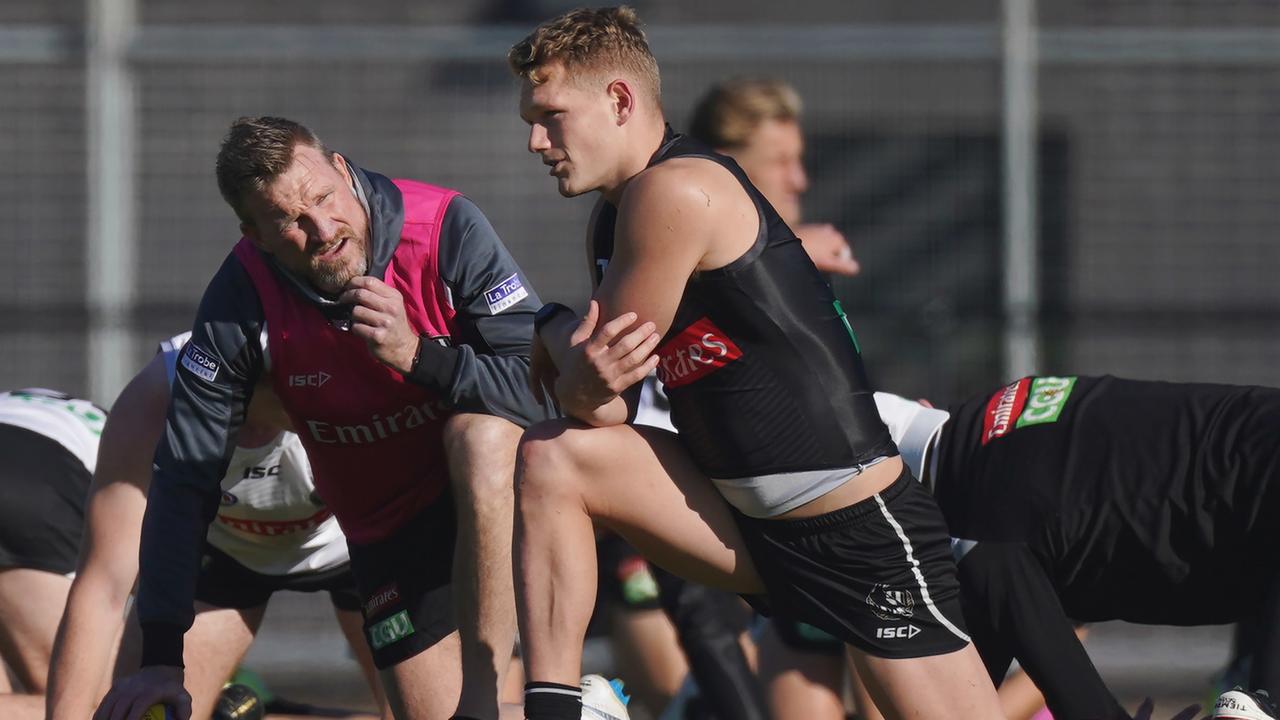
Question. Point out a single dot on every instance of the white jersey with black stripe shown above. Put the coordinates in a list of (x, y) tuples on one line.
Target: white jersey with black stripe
[(73, 423), (269, 517)]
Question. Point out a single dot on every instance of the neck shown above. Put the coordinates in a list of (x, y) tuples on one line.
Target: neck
[(646, 143)]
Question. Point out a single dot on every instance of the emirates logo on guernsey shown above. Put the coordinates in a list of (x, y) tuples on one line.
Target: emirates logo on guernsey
[(1003, 409), (699, 350)]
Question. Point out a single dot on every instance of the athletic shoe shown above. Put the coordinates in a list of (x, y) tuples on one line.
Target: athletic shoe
[(1240, 704), (603, 699)]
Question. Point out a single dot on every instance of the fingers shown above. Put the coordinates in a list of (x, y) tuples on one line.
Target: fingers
[(629, 342), (586, 325), (604, 336), (1144, 710), (634, 376)]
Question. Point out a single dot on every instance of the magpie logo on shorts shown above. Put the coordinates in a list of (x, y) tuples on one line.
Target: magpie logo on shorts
[(505, 294), (396, 627), (200, 362), (890, 604), (696, 352)]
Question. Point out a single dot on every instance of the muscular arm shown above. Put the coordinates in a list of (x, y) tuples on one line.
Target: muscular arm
[(215, 376), (92, 624), (674, 219), (487, 369), (1013, 611)]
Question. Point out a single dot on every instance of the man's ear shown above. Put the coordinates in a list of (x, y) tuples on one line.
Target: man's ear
[(340, 163), (624, 100), (251, 232)]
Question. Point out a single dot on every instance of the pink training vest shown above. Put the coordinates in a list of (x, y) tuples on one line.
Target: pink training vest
[(374, 439)]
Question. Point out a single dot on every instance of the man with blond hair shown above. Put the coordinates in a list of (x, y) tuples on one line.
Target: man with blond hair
[(705, 282), (756, 121)]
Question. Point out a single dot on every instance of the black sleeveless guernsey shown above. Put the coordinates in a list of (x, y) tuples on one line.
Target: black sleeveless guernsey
[(761, 366)]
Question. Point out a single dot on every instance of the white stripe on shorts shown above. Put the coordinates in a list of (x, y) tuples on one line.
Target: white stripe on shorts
[(915, 568)]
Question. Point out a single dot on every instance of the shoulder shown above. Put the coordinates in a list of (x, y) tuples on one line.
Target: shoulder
[(687, 182)]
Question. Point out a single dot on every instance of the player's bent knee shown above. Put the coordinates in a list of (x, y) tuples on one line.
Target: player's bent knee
[(475, 435), (547, 460)]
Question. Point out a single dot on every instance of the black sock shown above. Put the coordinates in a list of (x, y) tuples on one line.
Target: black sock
[(552, 701)]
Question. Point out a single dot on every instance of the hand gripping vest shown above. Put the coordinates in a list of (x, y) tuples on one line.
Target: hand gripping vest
[(374, 439)]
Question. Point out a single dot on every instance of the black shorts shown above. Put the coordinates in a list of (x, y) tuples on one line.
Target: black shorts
[(225, 583), (43, 491), (405, 585), (878, 574)]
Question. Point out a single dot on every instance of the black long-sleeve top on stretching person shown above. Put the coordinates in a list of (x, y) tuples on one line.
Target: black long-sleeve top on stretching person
[(1091, 499)]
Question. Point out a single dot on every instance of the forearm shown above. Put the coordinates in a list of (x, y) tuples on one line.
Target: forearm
[(80, 670), (614, 412)]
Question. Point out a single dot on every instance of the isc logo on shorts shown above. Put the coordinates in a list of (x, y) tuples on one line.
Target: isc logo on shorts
[(396, 627), (904, 632)]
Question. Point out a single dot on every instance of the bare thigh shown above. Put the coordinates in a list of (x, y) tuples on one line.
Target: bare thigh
[(31, 605), (426, 686), (954, 686), (800, 685), (641, 482)]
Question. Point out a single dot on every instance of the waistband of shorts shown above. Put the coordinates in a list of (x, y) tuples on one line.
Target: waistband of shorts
[(854, 514)]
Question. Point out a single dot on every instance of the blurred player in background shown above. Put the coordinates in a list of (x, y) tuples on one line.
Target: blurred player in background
[(756, 121), (394, 328), (49, 447), (690, 246), (272, 533)]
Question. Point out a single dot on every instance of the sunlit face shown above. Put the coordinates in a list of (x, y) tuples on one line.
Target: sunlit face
[(310, 219), (572, 127), (773, 157)]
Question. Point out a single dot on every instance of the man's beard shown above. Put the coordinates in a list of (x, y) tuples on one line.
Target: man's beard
[(332, 277)]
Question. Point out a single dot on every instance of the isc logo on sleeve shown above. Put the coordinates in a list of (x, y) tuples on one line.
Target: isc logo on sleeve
[(199, 362)]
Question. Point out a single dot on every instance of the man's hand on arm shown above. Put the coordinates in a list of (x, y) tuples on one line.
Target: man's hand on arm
[(378, 318), (153, 684), (600, 362)]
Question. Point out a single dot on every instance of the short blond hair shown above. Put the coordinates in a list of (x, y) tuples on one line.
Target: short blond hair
[(730, 111), (591, 39)]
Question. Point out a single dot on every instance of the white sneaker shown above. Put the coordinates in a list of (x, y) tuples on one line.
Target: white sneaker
[(603, 699), (1239, 704)]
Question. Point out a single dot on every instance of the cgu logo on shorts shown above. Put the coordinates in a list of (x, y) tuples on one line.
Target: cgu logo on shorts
[(699, 350), (396, 627), (1029, 401)]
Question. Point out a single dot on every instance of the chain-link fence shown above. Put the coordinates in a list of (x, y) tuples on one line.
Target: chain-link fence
[(1157, 153)]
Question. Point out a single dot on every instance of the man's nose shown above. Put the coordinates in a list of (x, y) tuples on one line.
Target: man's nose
[(538, 140)]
